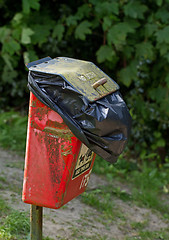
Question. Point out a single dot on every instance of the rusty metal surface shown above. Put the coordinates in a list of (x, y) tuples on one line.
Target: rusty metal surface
[(80, 74), (36, 217)]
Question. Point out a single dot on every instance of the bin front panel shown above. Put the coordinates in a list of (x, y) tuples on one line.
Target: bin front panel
[(57, 164)]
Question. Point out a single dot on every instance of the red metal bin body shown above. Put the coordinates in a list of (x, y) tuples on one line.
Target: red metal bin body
[(57, 164)]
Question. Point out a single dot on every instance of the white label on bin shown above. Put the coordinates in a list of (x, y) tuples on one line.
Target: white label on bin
[(85, 180), (84, 161)]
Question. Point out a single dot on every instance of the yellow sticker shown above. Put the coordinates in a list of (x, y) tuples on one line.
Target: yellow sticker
[(84, 161)]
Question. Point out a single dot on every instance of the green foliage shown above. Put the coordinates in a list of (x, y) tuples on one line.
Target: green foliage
[(13, 131), (82, 30), (104, 53), (135, 9), (129, 39)]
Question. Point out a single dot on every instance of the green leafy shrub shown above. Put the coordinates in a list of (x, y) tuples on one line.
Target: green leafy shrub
[(13, 131), (129, 39)]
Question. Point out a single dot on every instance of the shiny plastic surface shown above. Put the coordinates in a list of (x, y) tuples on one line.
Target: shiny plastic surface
[(103, 125)]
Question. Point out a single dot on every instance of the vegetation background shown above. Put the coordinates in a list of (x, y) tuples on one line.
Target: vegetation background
[(129, 40)]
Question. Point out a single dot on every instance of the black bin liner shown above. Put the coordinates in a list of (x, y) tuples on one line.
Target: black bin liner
[(103, 125)]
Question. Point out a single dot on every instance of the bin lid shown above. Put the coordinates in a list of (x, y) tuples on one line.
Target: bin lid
[(84, 76)]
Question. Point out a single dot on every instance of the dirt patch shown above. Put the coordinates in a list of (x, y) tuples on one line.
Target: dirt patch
[(144, 217), (77, 220)]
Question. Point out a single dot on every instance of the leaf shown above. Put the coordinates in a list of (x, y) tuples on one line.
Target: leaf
[(41, 33), (164, 106), (32, 55), (163, 48), (11, 47), (167, 57), (165, 189), (145, 50), (167, 80), (29, 56), (158, 94), (34, 4), (153, 172), (14, 45), (26, 57), (17, 18), (135, 9), (9, 74), (26, 6), (82, 30), (104, 53), (58, 31), (4, 33), (107, 8), (107, 22), (163, 35), (125, 77), (128, 51), (128, 74), (7, 59), (163, 15), (16, 34), (83, 11), (150, 29), (26, 35), (159, 2), (118, 33), (133, 23), (157, 134), (160, 142), (71, 20)]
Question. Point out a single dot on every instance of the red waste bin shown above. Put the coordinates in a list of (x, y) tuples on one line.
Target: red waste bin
[(57, 164)]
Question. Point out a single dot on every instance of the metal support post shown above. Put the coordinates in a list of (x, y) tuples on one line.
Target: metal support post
[(36, 215)]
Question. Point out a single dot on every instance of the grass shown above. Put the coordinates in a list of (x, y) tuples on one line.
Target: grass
[(148, 187), (100, 200), (17, 223), (14, 225), (77, 234), (4, 208), (3, 179), (19, 165), (146, 235), (47, 238), (148, 183), (139, 226)]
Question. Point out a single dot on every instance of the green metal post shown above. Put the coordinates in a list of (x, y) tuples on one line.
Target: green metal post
[(36, 216)]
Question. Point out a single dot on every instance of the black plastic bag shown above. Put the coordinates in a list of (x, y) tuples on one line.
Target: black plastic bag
[(103, 125)]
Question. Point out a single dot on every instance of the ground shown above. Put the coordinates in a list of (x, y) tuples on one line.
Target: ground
[(79, 220)]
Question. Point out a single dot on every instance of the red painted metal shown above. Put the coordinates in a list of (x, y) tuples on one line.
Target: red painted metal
[(57, 164)]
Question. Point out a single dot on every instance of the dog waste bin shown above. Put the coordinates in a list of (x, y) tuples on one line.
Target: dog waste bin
[(58, 165), (75, 111)]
